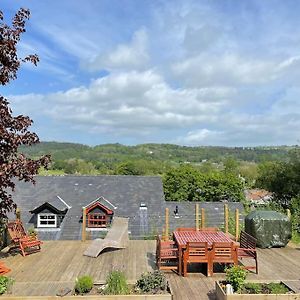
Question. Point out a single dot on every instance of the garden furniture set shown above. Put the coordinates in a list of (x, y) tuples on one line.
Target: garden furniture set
[(209, 246)]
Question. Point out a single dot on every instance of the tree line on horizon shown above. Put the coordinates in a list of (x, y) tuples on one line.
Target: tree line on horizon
[(146, 159)]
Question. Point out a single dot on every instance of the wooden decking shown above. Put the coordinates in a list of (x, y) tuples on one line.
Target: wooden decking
[(60, 262)]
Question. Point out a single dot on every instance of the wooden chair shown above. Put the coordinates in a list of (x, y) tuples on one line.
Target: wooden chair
[(21, 240), (3, 268), (166, 255), (186, 229), (222, 252), (247, 250), (196, 252)]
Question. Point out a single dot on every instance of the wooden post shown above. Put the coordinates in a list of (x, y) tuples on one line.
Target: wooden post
[(226, 218), (18, 213), (197, 216), (83, 234), (167, 224), (237, 224), (288, 212), (202, 218)]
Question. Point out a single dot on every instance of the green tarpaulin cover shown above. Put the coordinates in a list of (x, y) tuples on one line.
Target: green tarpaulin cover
[(270, 228)]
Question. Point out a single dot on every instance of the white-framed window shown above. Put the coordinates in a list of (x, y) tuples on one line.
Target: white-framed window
[(46, 220)]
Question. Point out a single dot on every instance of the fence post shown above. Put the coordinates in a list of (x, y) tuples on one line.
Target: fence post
[(83, 233), (18, 213), (237, 224), (197, 216), (202, 218), (167, 224), (288, 212), (226, 218)]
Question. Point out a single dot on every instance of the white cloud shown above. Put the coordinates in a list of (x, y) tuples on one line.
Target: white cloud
[(200, 136), (228, 69), (131, 101), (132, 56), (191, 72)]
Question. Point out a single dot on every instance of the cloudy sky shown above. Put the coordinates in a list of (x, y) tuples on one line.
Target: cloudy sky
[(215, 72)]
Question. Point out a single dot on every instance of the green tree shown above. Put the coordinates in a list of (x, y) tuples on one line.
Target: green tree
[(181, 184), (188, 184), (221, 186), (231, 166), (128, 168), (282, 178)]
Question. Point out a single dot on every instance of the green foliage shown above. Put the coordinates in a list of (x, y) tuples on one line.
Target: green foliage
[(277, 288), (249, 171), (32, 231), (5, 283), (116, 284), (231, 166), (251, 288), (128, 168), (264, 288), (84, 284), (221, 186), (296, 237), (181, 184), (231, 224), (159, 152), (152, 282), (236, 276), (186, 183), (295, 211), (282, 178)]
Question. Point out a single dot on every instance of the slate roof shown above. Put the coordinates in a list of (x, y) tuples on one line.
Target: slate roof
[(123, 194)]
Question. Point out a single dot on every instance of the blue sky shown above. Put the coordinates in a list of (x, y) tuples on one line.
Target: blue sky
[(215, 72)]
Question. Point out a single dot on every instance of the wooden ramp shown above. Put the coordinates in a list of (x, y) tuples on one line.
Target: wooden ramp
[(117, 238)]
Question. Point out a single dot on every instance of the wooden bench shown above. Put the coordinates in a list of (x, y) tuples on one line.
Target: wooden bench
[(247, 249)]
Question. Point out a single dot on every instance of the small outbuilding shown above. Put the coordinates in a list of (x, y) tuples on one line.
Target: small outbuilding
[(270, 228)]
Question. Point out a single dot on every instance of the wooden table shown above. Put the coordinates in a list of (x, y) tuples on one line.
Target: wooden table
[(182, 237)]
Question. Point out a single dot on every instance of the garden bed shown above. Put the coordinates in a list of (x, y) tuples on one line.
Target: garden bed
[(151, 285), (94, 297), (289, 295)]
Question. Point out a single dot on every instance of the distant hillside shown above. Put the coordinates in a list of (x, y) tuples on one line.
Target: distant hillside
[(112, 153)]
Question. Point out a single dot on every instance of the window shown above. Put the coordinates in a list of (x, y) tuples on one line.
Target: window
[(47, 220), (96, 220)]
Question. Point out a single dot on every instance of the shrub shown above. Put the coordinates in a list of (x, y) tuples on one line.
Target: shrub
[(236, 276), (252, 288), (83, 284), (116, 284), (5, 283), (277, 288), (152, 282), (32, 232)]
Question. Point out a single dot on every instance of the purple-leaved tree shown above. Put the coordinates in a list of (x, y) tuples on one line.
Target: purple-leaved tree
[(14, 129)]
